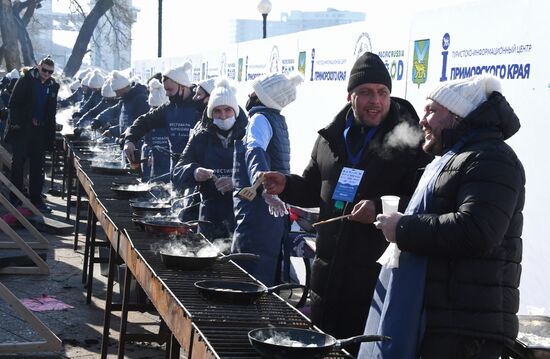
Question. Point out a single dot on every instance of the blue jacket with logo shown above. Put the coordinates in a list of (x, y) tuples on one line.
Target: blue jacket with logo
[(177, 118), (209, 149)]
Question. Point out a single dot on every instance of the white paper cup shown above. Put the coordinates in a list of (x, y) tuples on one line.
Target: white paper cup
[(390, 204)]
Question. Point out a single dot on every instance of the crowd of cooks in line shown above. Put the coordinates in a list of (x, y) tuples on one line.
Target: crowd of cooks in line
[(457, 233)]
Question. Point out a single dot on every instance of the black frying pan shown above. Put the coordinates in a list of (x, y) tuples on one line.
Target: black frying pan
[(150, 207), (190, 262), (110, 169), (166, 226), (295, 343), (238, 292), (126, 191)]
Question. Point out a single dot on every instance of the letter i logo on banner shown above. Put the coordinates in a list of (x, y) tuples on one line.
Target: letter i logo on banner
[(445, 43)]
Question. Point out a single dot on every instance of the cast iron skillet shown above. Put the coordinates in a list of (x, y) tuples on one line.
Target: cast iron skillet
[(123, 191), (147, 207), (188, 262), (238, 292), (295, 343), (112, 169), (166, 226)]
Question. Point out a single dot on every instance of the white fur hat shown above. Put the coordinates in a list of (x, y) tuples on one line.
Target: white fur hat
[(106, 90), (13, 74), (74, 85), (86, 78), (157, 94), (118, 81), (463, 96), (222, 94), (96, 80), (277, 90), (181, 74), (208, 84), (82, 73)]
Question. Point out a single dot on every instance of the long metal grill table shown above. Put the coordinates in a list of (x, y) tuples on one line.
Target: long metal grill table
[(204, 329)]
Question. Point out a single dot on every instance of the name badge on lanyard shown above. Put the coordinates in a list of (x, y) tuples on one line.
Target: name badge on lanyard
[(349, 180), (347, 185)]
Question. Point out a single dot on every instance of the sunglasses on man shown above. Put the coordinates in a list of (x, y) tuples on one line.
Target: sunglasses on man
[(46, 71)]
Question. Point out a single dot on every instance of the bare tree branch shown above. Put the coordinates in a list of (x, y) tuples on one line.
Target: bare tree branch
[(86, 31)]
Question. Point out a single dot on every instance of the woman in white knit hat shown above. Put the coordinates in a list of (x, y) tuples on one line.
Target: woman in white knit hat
[(207, 161), (262, 223)]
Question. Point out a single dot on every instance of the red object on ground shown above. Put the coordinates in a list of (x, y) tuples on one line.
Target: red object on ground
[(10, 218)]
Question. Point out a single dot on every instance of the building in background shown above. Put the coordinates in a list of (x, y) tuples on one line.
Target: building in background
[(112, 49), (54, 33), (245, 30)]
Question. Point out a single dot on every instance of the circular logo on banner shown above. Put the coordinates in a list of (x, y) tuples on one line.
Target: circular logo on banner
[(362, 45), (446, 41), (274, 60)]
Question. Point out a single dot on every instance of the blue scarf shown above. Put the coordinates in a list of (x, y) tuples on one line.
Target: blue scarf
[(397, 307)]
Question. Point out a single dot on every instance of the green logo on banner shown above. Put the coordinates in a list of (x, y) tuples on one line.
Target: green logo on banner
[(240, 70), (420, 61)]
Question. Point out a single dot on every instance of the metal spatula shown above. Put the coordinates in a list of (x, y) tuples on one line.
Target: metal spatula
[(249, 193)]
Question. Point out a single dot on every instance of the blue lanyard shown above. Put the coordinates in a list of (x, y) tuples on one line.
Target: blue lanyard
[(354, 159)]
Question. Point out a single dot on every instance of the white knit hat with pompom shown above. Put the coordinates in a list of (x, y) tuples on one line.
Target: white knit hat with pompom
[(463, 96), (181, 74), (277, 90), (157, 94), (106, 90), (118, 81), (96, 80), (222, 94)]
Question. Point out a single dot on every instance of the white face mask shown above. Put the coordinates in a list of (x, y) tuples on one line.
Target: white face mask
[(226, 124)]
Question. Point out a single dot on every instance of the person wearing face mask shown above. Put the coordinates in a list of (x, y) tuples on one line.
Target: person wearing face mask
[(177, 117), (202, 91), (207, 161), (133, 100)]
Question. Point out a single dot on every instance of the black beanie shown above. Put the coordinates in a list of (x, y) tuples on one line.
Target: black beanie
[(368, 68)]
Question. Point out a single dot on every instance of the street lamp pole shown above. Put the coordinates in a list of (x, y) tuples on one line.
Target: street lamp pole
[(159, 40), (264, 7), (265, 25)]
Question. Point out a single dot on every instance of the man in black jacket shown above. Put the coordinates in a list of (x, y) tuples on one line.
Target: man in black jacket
[(31, 127), (361, 137), (470, 232)]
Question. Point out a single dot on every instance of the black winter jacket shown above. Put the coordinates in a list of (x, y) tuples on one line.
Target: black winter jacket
[(344, 271), (473, 237), (21, 107)]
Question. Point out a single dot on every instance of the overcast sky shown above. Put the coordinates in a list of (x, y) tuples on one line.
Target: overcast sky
[(203, 24)]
